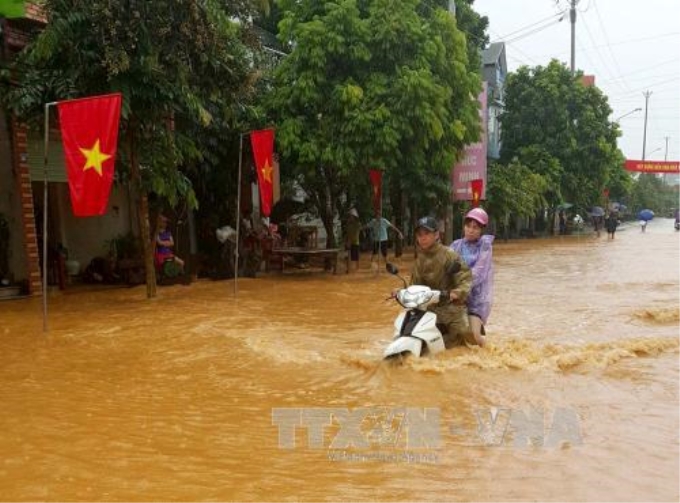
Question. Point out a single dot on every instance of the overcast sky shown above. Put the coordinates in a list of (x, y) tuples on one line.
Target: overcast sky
[(630, 46)]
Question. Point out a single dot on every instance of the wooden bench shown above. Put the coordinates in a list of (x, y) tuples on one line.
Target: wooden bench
[(328, 255)]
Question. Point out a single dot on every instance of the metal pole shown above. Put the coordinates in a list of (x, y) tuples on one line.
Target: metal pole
[(44, 280), (572, 18), (238, 214), (380, 223), (646, 94)]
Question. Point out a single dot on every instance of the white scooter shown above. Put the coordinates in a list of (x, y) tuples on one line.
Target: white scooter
[(415, 330)]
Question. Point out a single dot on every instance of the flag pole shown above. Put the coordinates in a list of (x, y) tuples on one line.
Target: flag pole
[(380, 223), (238, 213), (44, 243)]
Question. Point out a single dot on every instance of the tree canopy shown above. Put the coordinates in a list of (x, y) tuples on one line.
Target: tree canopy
[(551, 114), (178, 65), (175, 62), (371, 84)]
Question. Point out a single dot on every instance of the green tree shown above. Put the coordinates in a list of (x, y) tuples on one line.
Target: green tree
[(649, 191), (549, 110), (514, 189), (371, 84), (470, 23), (177, 63)]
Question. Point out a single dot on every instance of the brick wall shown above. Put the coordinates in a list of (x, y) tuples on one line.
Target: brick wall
[(19, 160), (16, 36)]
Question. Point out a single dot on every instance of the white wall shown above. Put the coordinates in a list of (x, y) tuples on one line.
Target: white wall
[(86, 237)]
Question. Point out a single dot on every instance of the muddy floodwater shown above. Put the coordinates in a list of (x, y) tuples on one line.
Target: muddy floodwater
[(280, 394)]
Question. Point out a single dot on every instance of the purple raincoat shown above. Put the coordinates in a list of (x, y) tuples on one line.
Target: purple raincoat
[(478, 256)]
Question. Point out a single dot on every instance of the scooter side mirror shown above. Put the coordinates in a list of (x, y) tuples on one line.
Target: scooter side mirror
[(392, 269)]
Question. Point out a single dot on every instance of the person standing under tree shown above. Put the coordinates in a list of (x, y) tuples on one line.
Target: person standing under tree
[(563, 223), (378, 226), (352, 231)]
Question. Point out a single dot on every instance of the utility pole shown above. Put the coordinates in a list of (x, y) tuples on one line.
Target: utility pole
[(572, 18), (646, 94), (665, 156)]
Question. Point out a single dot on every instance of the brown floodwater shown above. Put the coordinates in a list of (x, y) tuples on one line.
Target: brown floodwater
[(195, 395)]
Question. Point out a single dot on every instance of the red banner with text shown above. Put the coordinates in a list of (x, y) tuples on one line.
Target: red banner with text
[(653, 166)]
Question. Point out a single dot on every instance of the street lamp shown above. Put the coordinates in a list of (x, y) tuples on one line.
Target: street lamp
[(655, 150), (627, 114)]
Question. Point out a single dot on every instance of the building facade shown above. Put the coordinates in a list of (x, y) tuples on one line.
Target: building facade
[(28, 175)]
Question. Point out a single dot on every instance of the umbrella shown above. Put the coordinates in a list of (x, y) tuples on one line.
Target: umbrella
[(646, 215), (597, 211), (564, 206)]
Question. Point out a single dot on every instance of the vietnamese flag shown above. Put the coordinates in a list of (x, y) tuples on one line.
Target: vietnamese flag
[(89, 135), (262, 142), (376, 182), (477, 187)]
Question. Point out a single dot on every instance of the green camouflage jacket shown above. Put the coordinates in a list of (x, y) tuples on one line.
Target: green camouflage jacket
[(430, 269)]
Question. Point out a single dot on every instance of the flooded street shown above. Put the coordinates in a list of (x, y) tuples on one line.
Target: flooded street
[(281, 395)]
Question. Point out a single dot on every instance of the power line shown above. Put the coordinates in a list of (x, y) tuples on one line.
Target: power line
[(675, 79), (534, 31), (645, 77), (599, 54), (507, 35), (606, 37)]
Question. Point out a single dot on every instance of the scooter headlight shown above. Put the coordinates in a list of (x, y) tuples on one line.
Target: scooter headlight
[(413, 297)]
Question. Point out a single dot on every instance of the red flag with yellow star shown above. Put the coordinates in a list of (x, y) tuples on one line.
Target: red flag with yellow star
[(375, 176), (477, 187), (89, 135), (262, 142)]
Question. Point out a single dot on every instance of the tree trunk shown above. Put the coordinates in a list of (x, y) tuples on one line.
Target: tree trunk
[(328, 215), (398, 198), (143, 215), (506, 227)]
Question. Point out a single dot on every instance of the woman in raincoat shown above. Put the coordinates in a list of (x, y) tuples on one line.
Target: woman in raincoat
[(477, 251)]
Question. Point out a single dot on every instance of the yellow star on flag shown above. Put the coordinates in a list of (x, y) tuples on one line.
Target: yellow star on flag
[(94, 158), (267, 171)]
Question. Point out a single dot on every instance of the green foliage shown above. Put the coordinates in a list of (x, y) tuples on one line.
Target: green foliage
[(177, 64), (124, 246), (649, 191), (551, 111), (515, 190), (540, 162), (372, 84)]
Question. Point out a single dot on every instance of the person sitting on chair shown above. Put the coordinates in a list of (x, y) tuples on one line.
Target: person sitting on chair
[(165, 244)]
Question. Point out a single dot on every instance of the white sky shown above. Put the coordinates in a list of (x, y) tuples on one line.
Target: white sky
[(630, 46)]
